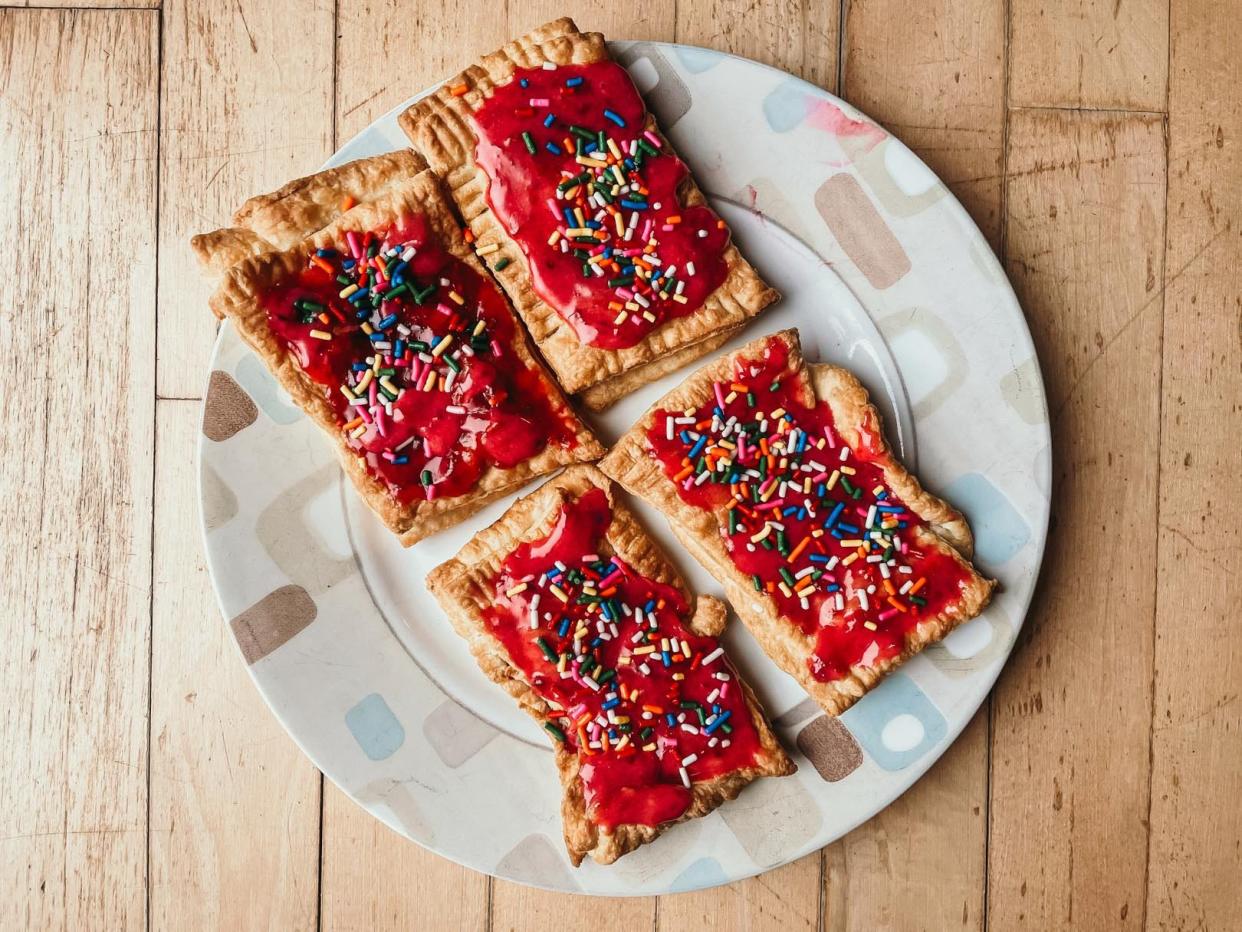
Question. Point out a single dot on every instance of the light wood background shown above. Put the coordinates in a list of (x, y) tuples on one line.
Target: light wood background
[(1098, 143)]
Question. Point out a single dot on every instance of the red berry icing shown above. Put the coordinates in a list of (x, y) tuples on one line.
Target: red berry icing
[(649, 707), (810, 519), (414, 352), (592, 199)]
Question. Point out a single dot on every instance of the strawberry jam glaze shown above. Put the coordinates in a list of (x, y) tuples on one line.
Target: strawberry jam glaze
[(573, 139), (648, 707), (385, 361), (809, 519)]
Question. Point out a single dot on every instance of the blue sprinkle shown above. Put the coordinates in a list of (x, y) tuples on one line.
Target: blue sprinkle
[(573, 82), (549, 120), (388, 321), (614, 117), (717, 722), (836, 513), (400, 460), (552, 147), (634, 205)]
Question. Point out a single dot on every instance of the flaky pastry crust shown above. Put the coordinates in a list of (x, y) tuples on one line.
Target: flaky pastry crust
[(441, 128), (239, 298), (464, 586), (632, 465)]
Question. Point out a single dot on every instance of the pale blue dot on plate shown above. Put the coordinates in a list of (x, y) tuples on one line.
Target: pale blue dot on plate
[(705, 872), (896, 723), (785, 106), (375, 728), (698, 60), (1000, 532)]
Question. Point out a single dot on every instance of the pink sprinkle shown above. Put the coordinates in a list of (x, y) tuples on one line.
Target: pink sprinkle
[(495, 348), (832, 444), (539, 101), (885, 616), (355, 247), (653, 139)]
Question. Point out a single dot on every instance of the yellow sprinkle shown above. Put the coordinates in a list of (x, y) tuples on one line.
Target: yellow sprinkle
[(442, 345), (348, 291), (847, 470), (321, 335), (778, 413), (832, 480), (850, 559), (488, 249), (456, 298), (514, 590), (559, 593), (869, 625)]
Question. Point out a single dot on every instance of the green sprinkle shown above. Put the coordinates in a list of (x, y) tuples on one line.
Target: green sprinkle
[(426, 477), (501, 263), (556, 732), (530, 143), (547, 649), (758, 583)]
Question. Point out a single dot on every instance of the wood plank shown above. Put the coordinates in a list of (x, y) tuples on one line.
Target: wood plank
[(524, 909), (356, 848), (234, 802), (84, 4), (78, 112), (375, 879), (933, 73), (1098, 54), (1070, 767), (785, 898), (919, 864), (246, 106), (1195, 856), (799, 37)]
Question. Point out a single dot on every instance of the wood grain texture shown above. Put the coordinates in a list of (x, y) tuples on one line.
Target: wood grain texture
[(785, 898), (234, 802), (1096, 54), (1070, 769), (798, 36), (78, 140), (918, 864), (523, 909), (933, 73), (375, 879), (1195, 853), (246, 105)]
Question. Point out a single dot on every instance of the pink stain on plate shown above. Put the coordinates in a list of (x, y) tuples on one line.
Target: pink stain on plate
[(827, 116)]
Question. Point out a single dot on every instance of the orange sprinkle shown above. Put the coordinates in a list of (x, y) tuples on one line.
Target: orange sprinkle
[(897, 605), (918, 585), (888, 586), (685, 472), (459, 89), (797, 551), (323, 264), (347, 202)]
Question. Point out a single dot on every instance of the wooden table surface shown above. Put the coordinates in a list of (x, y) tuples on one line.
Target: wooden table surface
[(1099, 146)]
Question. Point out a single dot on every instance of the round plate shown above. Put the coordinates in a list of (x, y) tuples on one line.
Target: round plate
[(882, 271)]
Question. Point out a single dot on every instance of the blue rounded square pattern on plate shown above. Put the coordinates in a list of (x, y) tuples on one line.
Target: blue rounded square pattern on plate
[(703, 873), (785, 106), (374, 727), (1000, 532), (896, 723)]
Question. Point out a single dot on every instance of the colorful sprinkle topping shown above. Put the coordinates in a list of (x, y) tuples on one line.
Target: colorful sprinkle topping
[(590, 193), (808, 517), (649, 707), (414, 352)]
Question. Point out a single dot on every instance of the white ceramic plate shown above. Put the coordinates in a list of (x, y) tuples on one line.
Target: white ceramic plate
[(882, 271)]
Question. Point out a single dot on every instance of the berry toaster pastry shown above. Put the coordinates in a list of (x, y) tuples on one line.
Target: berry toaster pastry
[(776, 476), (585, 214), (382, 326), (574, 610)]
